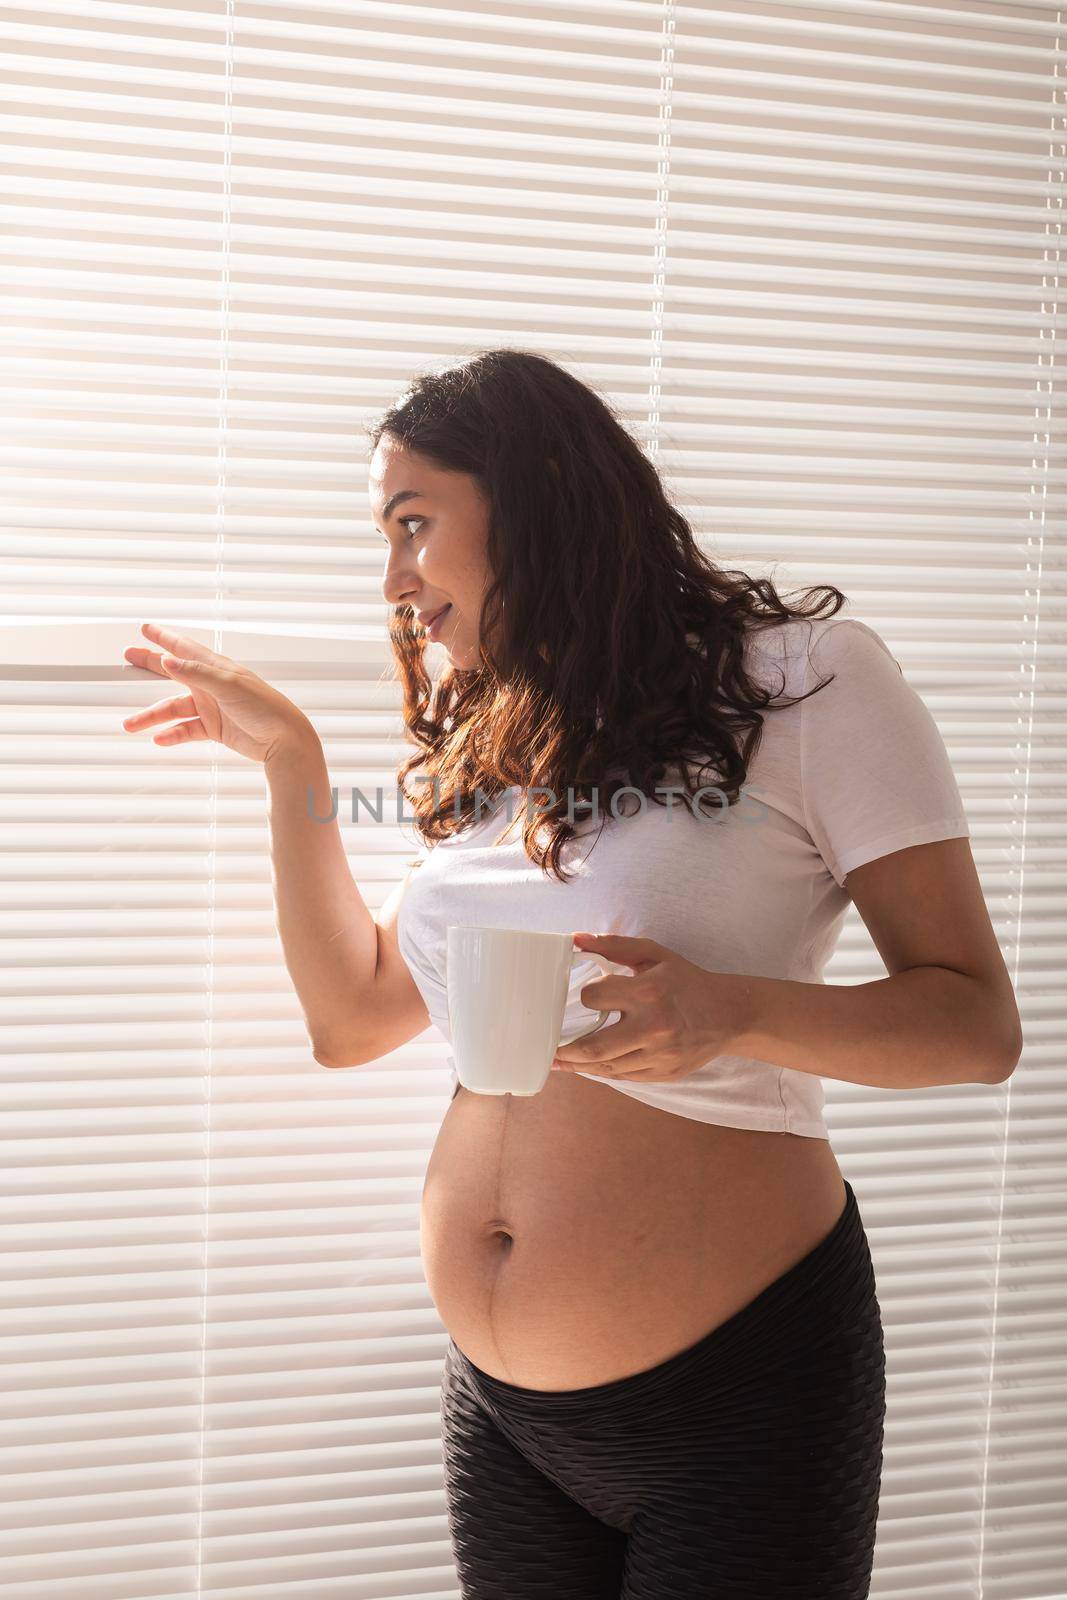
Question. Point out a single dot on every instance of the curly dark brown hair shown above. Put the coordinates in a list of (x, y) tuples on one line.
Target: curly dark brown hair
[(611, 646)]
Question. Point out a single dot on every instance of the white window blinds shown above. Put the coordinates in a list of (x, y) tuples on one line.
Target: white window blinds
[(812, 253)]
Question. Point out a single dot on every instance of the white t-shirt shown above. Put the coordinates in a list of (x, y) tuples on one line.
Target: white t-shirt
[(857, 771)]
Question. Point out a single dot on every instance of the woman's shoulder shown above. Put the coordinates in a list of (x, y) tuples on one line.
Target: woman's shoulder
[(775, 653), (804, 649)]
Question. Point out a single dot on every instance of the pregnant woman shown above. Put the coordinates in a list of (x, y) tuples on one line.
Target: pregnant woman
[(665, 1376)]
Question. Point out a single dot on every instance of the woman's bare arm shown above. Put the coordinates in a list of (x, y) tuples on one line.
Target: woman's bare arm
[(358, 997), (947, 1012)]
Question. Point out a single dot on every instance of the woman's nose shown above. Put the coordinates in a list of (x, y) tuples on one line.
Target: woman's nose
[(398, 596), (397, 586)]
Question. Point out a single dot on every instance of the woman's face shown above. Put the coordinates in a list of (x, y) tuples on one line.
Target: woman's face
[(435, 524)]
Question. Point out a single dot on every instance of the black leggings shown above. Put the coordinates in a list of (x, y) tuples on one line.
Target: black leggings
[(747, 1465)]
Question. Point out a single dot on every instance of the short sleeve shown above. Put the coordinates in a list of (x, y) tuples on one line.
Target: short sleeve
[(875, 774)]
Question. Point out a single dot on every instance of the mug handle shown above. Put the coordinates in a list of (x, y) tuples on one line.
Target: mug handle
[(607, 968)]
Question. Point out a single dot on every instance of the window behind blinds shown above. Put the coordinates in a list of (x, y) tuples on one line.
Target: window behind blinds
[(812, 254)]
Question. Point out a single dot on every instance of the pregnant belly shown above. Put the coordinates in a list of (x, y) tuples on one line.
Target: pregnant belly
[(578, 1236)]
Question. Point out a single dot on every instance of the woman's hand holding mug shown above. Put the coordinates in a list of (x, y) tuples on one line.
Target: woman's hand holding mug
[(674, 1016), (221, 699)]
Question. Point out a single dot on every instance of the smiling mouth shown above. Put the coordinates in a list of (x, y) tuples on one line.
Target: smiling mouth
[(433, 627)]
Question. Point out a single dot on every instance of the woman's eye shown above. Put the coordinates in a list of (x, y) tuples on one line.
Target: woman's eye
[(404, 523)]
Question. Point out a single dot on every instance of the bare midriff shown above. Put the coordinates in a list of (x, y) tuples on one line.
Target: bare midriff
[(578, 1236)]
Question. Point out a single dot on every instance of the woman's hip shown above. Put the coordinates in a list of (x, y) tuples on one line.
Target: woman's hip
[(785, 1398)]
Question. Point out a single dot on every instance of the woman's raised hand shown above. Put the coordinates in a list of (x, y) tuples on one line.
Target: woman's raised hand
[(221, 700)]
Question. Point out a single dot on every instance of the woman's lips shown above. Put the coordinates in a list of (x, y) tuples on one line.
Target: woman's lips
[(431, 632)]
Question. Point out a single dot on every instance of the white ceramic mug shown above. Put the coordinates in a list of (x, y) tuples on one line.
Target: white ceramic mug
[(510, 1004)]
